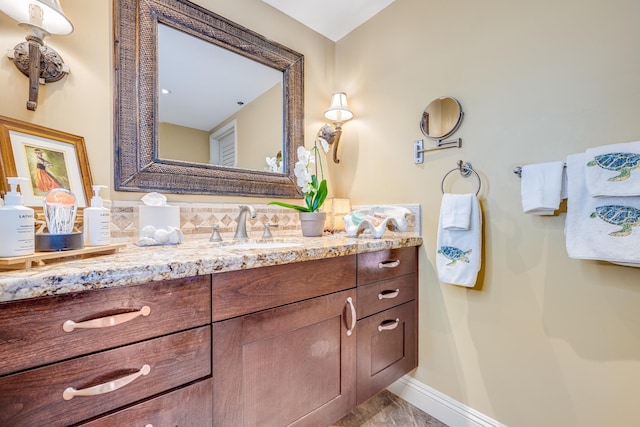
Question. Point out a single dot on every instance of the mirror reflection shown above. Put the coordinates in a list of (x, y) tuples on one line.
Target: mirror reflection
[(147, 158), (233, 118), (441, 118)]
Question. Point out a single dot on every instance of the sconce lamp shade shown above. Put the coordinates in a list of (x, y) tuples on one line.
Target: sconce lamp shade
[(338, 110), (54, 20)]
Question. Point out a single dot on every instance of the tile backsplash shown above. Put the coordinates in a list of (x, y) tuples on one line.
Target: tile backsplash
[(198, 219)]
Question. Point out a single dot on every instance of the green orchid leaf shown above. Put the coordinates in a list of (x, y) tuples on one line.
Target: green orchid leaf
[(290, 206), (321, 195)]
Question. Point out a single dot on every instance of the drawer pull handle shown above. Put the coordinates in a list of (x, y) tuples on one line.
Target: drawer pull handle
[(388, 325), (353, 316), (388, 294), (389, 264), (71, 392), (105, 322)]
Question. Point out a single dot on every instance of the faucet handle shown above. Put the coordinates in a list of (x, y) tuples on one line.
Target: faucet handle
[(215, 235), (267, 231)]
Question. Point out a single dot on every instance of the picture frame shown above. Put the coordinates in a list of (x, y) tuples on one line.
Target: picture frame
[(48, 158)]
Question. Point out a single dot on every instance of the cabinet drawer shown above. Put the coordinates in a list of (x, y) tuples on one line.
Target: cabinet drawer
[(381, 265), (189, 406), (32, 330), (36, 397), (246, 291), (382, 295), (387, 348)]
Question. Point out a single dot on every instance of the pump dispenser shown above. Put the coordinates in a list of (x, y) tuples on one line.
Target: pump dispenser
[(17, 223), (97, 221)]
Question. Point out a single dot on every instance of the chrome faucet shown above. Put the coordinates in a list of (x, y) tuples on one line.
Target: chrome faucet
[(241, 230)]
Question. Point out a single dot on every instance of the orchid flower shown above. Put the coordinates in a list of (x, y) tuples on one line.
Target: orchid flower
[(306, 170)]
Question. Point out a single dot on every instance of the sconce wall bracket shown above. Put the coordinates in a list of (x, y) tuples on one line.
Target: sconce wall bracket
[(46, 67), (332, 136), (52, 67)]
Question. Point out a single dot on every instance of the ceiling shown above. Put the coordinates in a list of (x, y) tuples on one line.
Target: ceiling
[(333, 19)]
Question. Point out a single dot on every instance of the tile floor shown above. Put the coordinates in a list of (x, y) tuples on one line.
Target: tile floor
[(386, 409)]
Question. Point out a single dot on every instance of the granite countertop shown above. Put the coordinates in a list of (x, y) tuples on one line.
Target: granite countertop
[(133, 264)]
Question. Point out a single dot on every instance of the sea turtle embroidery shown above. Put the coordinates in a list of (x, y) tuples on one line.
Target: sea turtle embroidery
[(618, 162), (454, 254), (624, 216)]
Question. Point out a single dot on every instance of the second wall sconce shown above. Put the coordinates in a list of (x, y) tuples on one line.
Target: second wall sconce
[(40, 18), (338, 113)]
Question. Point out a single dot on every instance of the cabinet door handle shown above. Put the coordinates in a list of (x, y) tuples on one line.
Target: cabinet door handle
[(71, 392), (389, 264), (388, 325), (353, 316), (388, 294), (105, 322)]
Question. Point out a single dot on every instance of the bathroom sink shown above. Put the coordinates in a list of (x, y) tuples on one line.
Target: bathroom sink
[(262, 245)]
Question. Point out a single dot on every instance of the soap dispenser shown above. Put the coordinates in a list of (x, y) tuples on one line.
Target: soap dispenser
[(97, 221), (17, 223)]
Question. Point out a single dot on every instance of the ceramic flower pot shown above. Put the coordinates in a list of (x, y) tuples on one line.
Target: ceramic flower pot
[(312, 223)]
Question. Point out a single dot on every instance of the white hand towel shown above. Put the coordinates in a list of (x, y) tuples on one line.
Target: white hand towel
[(602, 228), (541, 187), (613, 170), (459, 252), (455, 211)]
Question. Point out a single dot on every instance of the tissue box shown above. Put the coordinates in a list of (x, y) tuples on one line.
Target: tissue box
[(159, 217)]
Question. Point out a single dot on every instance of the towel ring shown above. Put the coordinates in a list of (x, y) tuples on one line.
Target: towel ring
[(465, 170)]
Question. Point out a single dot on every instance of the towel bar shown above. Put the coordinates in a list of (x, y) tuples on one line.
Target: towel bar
[(518, 170), (465, 170)]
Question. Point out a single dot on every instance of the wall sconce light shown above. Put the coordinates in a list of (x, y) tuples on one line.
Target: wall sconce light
[(40, 63), (338, 113)]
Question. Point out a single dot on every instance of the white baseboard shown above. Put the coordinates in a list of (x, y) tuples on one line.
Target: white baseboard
[(439, 405)]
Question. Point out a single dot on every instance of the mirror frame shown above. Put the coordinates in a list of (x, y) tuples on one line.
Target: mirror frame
[(137, 166)]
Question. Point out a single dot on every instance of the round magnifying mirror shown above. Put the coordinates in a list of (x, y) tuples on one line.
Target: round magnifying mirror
[(441, 118)]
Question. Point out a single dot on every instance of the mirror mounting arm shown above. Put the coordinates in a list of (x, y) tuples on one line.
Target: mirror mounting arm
[(419, 150)]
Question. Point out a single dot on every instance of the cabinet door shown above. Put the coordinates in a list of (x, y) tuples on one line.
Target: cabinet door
[(387, 348), (291, 365)]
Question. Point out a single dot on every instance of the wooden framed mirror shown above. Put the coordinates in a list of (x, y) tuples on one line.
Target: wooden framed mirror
[(140, 161)]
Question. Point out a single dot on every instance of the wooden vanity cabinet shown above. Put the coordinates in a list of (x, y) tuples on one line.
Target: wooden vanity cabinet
[(298, 344), (55, 377), (387, 327)]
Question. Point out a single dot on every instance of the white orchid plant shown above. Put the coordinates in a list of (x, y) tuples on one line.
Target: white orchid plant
[(306, 171), (274, 164)]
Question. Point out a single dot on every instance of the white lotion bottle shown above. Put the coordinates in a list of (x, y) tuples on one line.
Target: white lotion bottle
[(17, 223), (97, 221)]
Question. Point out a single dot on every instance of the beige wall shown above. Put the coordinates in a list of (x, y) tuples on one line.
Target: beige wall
[(182, 143), (259, 129), (544, 340)]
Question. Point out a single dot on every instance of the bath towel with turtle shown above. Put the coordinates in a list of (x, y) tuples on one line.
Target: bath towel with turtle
[(600, 228), (613, 170), (459, 252)]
